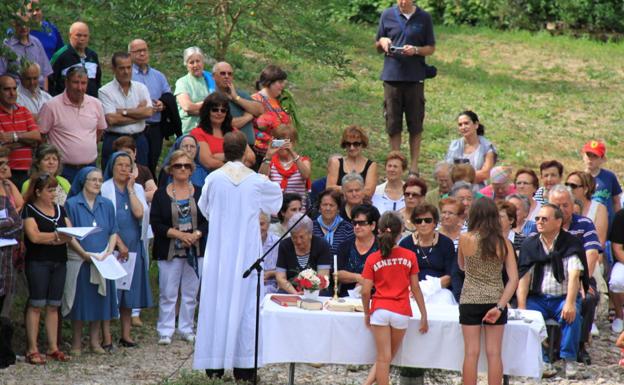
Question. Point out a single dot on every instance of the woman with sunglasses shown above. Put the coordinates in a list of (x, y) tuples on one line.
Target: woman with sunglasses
[(46, 257), (482, 255), (180, 232), (414, 191), (352, 253), (192, 88), (354, 139), (472, 147), (330, 225), (583, 186), (215, 120), (435, 252), (47, 159), (88, 296), (131, 213)]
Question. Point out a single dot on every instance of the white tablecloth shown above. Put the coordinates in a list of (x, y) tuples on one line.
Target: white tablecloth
[(291, 334)]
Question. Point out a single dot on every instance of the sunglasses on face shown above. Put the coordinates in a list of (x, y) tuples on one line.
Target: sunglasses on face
[(460, 160), (180, 166), (351, 144), (225, 73), (541, 219), (573, 186), (222, 110), (360, 223), (419, 221), (412, 195)]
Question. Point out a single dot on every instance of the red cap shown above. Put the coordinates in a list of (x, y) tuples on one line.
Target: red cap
[(595, 147)]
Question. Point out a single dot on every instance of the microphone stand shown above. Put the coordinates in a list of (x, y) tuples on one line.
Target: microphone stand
[(257, 265)]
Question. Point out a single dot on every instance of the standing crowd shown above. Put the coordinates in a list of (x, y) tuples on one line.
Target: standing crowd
[(483, 235)]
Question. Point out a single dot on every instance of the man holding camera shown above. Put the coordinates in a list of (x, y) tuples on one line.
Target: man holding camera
[(405, 37)]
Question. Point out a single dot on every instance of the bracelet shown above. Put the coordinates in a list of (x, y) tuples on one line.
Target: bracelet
[(15, 137), (131, 192), (500, 308), (297, 158), (266, 160)]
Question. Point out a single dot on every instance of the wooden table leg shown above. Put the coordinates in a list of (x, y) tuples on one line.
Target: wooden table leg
[(291, 373)]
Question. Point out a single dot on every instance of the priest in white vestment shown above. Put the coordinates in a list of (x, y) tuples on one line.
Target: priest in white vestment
[(232, 199)]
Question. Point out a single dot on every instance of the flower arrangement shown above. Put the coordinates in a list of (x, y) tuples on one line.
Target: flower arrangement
[(308, 279)]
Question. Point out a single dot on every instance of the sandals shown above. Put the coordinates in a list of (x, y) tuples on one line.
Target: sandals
[(58, 356), (35, 359)]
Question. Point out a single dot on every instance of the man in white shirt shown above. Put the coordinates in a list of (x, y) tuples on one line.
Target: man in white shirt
[(126, 106), (29, 94)]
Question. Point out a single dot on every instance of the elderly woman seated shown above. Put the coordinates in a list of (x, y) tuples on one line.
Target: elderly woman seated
[(330, 225), (299, 252), (389, 195), (353, 191), (353, 252), (500, 184), (435, 252), (442, 177)]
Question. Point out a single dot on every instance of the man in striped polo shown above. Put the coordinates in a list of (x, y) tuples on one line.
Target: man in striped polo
[(18, 130)]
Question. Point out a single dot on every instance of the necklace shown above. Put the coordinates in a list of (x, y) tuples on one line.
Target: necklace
[(183, 211)]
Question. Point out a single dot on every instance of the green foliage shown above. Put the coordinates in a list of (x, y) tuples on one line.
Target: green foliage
[(366, 11), (9, 10)]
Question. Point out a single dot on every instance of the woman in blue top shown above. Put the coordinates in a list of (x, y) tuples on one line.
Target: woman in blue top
[(132, 218), (189, 145), (435, 253), (83, 300)]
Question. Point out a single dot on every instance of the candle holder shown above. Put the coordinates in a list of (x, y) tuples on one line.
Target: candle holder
[(335, 285)]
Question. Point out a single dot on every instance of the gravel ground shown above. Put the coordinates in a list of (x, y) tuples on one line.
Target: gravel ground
[(153, 364)]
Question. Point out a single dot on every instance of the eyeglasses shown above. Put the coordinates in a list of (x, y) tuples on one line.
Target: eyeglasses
[(448, 213), (96, 180), (179, 166), (461, 160), (541, 219), (412, 195), (222, 110), (360, 223), (419, 221), (226, 73), (573, 186), (351, 144)]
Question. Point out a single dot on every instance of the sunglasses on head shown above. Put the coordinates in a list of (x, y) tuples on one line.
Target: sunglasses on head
[(419, 221), (351, 144), (360, 223), (573, 186), (179, 166), (222, 110)]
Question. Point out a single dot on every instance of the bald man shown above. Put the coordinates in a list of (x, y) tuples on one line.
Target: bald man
[(76, 53)]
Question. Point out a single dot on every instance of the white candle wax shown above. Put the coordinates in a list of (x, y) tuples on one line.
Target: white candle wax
[(335, 263)]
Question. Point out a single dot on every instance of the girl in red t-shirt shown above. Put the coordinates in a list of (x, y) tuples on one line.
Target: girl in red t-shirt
[(393, 271)]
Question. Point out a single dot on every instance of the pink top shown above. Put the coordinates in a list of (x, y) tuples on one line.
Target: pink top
[(488, 190), (73, 130)]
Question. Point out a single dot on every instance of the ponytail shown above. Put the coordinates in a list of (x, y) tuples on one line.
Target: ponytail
[(481, 130), (390, 227), (474, 118)]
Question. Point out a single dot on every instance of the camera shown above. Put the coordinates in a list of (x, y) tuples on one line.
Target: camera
[(275, 143), (396, 50)]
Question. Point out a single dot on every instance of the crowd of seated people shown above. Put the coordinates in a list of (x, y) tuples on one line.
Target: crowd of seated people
[(50, 179)]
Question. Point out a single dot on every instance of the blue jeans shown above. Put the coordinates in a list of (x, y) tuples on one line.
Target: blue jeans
[(551, 307)]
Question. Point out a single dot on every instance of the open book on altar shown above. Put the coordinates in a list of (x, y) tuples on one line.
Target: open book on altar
[(79, 233)]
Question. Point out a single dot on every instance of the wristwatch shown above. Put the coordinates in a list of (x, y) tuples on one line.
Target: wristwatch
[(15, 137), (500, 308), (124, 112)]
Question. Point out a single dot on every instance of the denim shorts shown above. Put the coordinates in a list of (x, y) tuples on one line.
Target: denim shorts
[(46, 282)]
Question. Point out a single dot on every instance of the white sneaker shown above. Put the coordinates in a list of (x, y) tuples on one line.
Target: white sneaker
[(617, 326), (594, 330), (570, 369), (188, 337), (164, 340)]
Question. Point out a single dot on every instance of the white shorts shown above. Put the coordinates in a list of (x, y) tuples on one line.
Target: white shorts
[(383, 317)]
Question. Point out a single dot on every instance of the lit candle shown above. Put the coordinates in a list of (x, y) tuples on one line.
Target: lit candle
[(335, 263)]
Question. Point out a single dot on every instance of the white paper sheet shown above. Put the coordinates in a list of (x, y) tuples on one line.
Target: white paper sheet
[(7, 242), (79, 233), (110, 268), (125, 282)]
